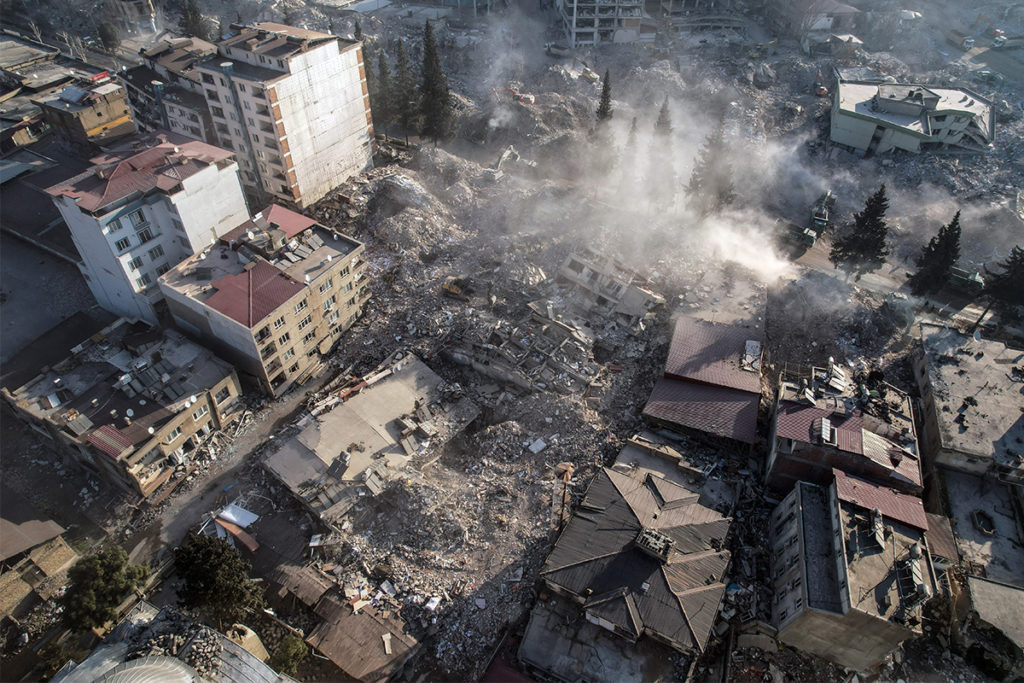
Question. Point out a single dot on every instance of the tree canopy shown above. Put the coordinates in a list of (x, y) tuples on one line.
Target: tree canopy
[(1007, 284), (862, 248), (97, 585), (289, 655), (604, 107), (711, 188), (110, 36), (435, 98), (937, 258), (381, 105), (403, 95), (192, 21), (357, 32), (663, 126), (215, 578)]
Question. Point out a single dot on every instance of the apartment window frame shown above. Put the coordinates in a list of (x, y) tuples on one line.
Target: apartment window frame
[(222, 395), (284, 338), (201, 412), (329, 304), (137, 218), (305, 322), (310, 336), (288, 355), (301, 306), (156, 252), (279, 323), (114, 225), (144, 281), (173, 434), (134, 264), (145, 234), (161, 269)]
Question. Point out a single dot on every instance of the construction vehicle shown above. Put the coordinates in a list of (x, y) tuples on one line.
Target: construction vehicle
[(514, 94), (820, 89), (557, 50), (586, 73), (494, 173), (1004, 42), (463, 287), (821, 213), (960, 39), (966, 281)]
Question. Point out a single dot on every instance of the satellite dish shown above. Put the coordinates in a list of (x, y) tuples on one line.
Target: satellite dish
[(151, 430), (192, 398), (129, 412), (977, 335), (142, 401)]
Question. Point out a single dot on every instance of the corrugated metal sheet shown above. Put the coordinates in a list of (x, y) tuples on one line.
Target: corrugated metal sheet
[(901, 507), (710, 353), (796, 421), (252, 295), (110, 440), (721, 411)]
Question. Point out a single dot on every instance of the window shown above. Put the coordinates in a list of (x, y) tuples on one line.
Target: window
[(351, 302), (143, 281), (289, 354), (329, 304), (114, 225), (301, 306), (135, 263), (156, 252), (222, 395), (305, 322), (137, 218), (263, 60), (221, 79), (262, 333), (279, 323), (280, 63), (345, 271), (212, 96), (284, 338), (207, 78), (309, 337), (332, 319), (252, 122), (145, 235), (294, 368), (161, 269), (245, 103), (218, 112), (174, 434), (348, 287), (199, 413), (241, 87), (783, 614)]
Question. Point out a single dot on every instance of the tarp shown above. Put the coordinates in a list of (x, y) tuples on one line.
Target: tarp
[(236, 514)]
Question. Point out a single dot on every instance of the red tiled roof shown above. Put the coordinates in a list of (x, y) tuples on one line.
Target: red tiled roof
[(252, 295), (901, 507), (795, 420), (162, 165), (109, 439), (717, 410), (710, 353), (290, 222)]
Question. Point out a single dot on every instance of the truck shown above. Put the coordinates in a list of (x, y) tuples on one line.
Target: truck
[(821, 213), (960, 39), (1007, 42)]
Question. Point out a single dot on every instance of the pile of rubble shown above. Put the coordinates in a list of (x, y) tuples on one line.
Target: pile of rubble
[(175, 634)]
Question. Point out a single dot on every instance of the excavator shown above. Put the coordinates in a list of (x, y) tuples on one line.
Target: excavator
[(494, 173)]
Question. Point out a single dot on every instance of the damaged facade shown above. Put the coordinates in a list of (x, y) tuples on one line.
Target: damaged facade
[(130, 403), (366, 433), (273, 295), (712, 381), (825, 418), (142, 208), (875, 118), (641, 559), (851, 570), (591, 22)]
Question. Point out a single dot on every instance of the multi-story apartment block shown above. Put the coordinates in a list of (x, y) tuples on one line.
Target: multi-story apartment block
[(590, 22), (129, 403), (273, 295), (851, 570), (85, 113), (143, 208)]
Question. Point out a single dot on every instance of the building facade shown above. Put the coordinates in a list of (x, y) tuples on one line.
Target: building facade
[(88, 113), (142, 209), (850, 577), (591, 22), (130, 403), (273, 294), (875, 118)]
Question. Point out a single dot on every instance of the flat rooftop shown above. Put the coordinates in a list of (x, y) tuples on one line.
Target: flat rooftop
[(982, 381), (858, 98), (819, 556), (15, 52)]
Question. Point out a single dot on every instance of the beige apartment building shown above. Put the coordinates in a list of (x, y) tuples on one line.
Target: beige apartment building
[(274, 295)]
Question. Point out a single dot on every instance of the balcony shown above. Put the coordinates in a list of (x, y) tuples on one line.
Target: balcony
[(274, 366)]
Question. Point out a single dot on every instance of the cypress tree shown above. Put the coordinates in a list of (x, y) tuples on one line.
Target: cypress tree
[(192, 21), (435, 98), (862, 249), (711, 187), (357, 32), (937, 258), (383, 111), (604, 108), (403, 94), (1006, 287), (631, 139), (663, 126), (661, 176)]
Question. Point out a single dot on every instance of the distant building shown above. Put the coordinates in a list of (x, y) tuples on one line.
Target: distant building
[(132, 16), (84, 115), (274, 294), (129, 403), (877, 118), (824, 419), (604, 286), (640, 565), (851, 570), (712, 381), (589, 22), (143, 208), (291, 102), (972, 390)]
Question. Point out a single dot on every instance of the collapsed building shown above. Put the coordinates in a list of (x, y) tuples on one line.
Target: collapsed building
[(712, 382), (639, 566), (592, 22), (273, 295), (851, 570), (128, 403), (875, 118), (826, 418), (366, 433), (813, 22)]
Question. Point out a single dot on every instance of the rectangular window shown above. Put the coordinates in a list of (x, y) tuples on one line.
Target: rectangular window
[(156, 252), (245, 103), (345, 271), (288, 355), (221, 79), (199, 413), (327, 285), (135, 263), (348, 287), (301, 306), (279, 323), (218, 112), (222, 395), (351, 302), (145, 235), (143, 281), (207, 78), (174, 434), (114, 225), (137, 218), (305, 322), (329, 304), (161, 269), (241, 87), (294, 368), (252, 121), (284, 338), (309, 337), (332, 319)]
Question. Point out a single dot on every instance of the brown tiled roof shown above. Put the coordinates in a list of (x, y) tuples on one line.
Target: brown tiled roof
[(795, 421), (163, 164), (355, 643), (253, 294), (110, 440), (716, 410), (710, 353), (901, 507), (306, 583), (289, 221)]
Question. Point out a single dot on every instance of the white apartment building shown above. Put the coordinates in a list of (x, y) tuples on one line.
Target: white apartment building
[(143, 208), (294, 106)]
